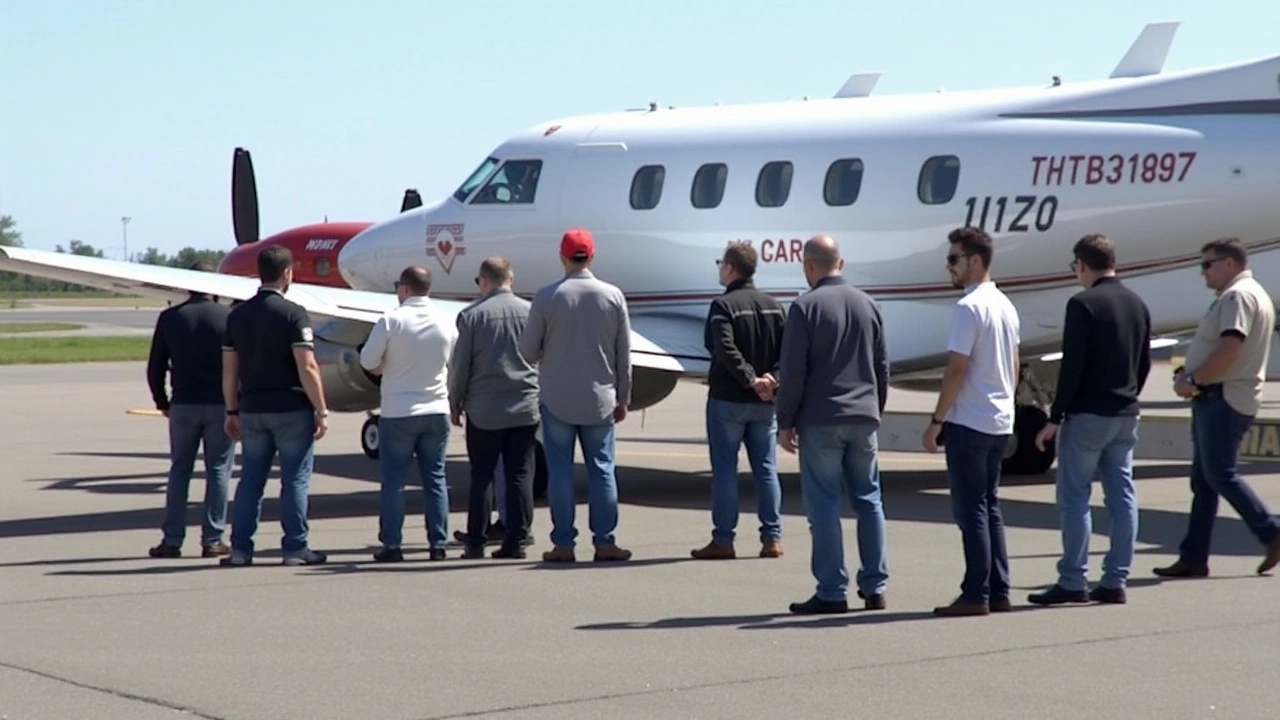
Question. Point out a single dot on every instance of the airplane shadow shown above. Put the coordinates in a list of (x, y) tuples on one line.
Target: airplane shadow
[(910, 495)]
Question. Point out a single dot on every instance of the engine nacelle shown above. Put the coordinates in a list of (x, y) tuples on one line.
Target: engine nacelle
[(650, 387), (347, 387)]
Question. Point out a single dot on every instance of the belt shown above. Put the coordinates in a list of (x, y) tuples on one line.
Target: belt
[(1209, 391)]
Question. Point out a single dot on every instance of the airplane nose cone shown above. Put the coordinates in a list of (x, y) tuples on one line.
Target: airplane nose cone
[(366, 261), (357, 259)]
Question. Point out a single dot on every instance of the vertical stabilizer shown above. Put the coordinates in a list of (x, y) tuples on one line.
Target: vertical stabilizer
[(1147, 54)]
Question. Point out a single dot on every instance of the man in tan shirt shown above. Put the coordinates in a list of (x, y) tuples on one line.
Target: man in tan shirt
[(1224, 374)]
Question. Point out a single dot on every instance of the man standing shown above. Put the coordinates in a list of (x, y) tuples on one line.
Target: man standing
[(744, 335), (410, 346), (1224, 374), (833, 384), (1106, 357), (187, 343), (497, 389), (975, 411), (579, 334), (275, 402)]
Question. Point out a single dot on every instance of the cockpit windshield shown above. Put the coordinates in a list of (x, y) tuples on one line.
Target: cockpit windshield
[(516, 182), (475, 179)]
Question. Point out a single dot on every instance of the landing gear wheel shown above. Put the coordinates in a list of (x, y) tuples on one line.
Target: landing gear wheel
[(369, 438), (539, 473), (1022, 457)]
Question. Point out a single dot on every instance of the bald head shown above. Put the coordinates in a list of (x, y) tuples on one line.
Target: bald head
[(416, 280), (823, 251)]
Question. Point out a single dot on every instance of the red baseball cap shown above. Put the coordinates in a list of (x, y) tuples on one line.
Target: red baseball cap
[(577, 244)]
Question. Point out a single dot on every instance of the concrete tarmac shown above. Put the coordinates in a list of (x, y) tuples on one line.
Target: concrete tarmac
[(91, 627)]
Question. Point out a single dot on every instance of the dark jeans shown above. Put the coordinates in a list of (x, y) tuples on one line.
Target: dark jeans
[(1216, 432), (189, 426), (516, 446), (973, 467)]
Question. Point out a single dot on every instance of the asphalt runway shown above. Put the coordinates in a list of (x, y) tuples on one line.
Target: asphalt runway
[(91, 627)]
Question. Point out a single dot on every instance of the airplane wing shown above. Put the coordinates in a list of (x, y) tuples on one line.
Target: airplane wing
[(673, 344)]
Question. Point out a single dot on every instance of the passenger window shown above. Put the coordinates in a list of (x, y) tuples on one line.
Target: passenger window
[(646, 187), (938, 179), (774, 184), (708, 185), (844, 182), (515, 183)]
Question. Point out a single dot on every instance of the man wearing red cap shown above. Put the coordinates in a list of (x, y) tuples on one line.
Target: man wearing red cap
[(580, 335)]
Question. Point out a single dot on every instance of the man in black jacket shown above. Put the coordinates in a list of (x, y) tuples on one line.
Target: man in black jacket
[(1106, 357), (188, 343), (744, 336)]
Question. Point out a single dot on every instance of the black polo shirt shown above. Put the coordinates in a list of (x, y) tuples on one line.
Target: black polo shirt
[(187, 343), (263, 331)]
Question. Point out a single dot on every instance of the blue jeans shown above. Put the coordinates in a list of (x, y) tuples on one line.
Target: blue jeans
[(833, 458), (973, 468), (189, 425), (1216, 432), (399, 440), (292, 434), (597, 442), (729, 426), (1089, 445)]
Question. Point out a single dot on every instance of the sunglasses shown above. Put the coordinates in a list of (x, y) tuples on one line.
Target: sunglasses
[(955, 258), (477, 280), (1206, 264)]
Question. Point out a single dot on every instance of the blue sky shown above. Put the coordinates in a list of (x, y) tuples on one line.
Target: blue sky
[(133, 108)]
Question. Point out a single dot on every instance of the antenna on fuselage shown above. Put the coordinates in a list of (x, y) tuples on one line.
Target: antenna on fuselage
[(858, 85)]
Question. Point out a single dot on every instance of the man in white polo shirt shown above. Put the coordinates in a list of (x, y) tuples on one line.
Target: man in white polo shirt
[(410, 348), (974, 417)]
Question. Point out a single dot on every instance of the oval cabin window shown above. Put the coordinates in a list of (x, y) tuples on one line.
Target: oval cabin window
[(844, 182), (774, 184), (646, 187), (708, 185), (939, 178)]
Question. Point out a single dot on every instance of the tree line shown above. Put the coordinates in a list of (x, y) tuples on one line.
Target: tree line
[(17, 283)]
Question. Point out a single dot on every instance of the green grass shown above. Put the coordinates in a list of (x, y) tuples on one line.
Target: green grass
[(31, 327), (26, 351)]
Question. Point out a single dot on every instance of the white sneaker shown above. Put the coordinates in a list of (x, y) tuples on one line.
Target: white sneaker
[(306, 556)]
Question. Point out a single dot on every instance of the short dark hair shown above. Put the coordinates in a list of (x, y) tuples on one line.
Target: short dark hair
[(741, 257), (1228, 247), (1096, 251), (496, 269), (973, 241), (417, 279), (273, 261)]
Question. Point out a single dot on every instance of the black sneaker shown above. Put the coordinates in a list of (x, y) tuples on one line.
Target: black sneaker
[(438, 554), (165, 551), (817, 606), (472, 552), (1057, 595), (387, 554), (1114, 596), (507, 552), (872, 602)]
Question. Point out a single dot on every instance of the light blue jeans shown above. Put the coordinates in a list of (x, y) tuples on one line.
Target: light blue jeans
[(558, 439), (399, 439), (293, 435), (730, 425), (189, 426), (834, 458), (1090, 445)]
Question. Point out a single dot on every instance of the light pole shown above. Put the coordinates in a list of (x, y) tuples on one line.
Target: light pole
[(124, 231)]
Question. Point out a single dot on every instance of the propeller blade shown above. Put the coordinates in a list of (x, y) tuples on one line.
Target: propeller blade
[(244, 198), (411, 200)]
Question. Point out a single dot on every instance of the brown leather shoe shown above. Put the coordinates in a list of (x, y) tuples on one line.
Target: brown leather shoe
[(1181, 569), (612, 553), (962, 608), (1272, 558), (559, 554), (771, 549), (714, 551), (214, 550)]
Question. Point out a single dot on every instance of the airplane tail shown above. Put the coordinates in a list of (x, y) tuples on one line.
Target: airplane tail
[(1139, 86)]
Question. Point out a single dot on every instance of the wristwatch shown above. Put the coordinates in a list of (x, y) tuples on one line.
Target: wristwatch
[(322, 413), (233, 411)]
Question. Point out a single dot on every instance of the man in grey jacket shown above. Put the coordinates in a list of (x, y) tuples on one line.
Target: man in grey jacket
[(497, 389), (580, 336), (833, 382)]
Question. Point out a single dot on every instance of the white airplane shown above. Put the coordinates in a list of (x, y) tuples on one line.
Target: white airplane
[(1161, 162)]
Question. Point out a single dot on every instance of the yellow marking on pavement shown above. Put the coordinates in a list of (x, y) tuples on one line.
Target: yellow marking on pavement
[(144, 411)]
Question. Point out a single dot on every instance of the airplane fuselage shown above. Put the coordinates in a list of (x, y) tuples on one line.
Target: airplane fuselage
[(1149, 161)]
